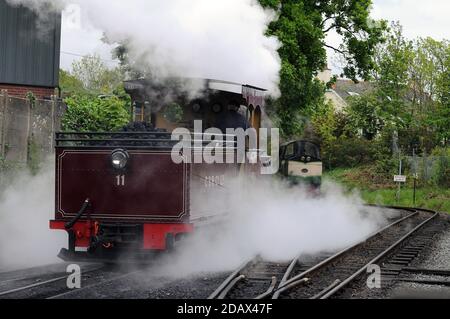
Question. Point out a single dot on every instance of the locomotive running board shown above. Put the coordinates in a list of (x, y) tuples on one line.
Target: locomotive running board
[(82, 256)]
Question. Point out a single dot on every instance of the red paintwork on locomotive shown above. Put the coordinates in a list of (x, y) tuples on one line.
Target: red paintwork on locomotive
[(83, 231), (152, 188), (154, 236), (166, 198)]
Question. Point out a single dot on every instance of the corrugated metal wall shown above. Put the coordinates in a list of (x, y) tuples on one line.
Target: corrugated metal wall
[(29, 49)]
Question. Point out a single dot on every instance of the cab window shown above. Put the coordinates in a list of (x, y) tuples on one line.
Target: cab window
[(290, 151)]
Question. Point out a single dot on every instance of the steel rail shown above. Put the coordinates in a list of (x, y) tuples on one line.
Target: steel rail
[(381, 255), (327, 289), (230, 278), (93, 285), (291, 285), (269, 290), (28, 269), (11, 291), (334, 257), (230, 286), (285, 283), (288, 271), (236, 276)]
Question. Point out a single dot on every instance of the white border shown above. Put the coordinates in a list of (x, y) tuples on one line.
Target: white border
[(122, 217)]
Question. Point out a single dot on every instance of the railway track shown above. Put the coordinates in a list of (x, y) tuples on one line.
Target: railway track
[(397, 266), (258, 278), (327, 275), (49, 286)]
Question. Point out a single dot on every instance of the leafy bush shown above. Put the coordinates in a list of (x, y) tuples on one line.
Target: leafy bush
[(324, 123), (349, 153), (388, 166), (441, 169), (90, 113), (364, 114)]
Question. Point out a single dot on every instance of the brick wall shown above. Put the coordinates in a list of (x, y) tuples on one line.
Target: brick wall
[(22, 90)]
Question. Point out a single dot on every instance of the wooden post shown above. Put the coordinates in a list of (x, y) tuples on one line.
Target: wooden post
[(3, 114), (29, 130)]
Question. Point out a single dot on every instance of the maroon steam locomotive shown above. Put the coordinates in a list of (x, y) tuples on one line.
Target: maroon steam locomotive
[(121, 192)]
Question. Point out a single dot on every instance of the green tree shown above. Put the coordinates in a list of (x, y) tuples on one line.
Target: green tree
[(364, 115), (95, 75), (301, 26), (411, 95), (394, 59), (69, 84), (95, 96), (132, 69), (324, 124), (430, 77), (88, 113)]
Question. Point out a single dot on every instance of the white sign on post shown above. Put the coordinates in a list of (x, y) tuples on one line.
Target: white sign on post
[(400, 178)]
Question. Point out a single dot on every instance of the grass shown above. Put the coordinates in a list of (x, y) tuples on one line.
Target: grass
[(386, 193), (436, 199)]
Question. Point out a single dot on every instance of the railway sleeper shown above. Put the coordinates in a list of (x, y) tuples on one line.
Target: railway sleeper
[(402, 260), (405, 255)]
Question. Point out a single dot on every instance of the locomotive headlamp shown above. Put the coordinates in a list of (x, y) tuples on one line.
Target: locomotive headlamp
[(308, 159), (119, 159), (302, 158)]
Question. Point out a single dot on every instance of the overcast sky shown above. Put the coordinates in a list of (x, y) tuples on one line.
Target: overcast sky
[(419, 18)]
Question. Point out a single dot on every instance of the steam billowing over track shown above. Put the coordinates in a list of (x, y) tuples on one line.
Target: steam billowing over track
[(325, 275), (330, 275)]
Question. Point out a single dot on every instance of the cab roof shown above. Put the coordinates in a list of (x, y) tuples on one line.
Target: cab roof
[(252, 94)]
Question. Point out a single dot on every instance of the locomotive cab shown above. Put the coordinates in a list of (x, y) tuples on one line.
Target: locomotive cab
[(301, 163)]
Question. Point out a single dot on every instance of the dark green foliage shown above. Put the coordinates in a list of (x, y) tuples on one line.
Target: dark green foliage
[(388, 166), (441, 174), (95, 97), (364, 114), (301, 28), (349, 152), (324, 124), (407, 111)]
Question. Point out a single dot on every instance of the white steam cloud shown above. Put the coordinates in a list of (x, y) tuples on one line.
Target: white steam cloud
[(26, 206), (278, 223), (219, 39), (267, 219)]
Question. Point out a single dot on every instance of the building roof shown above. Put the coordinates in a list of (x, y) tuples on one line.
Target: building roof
[(346, 88)]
